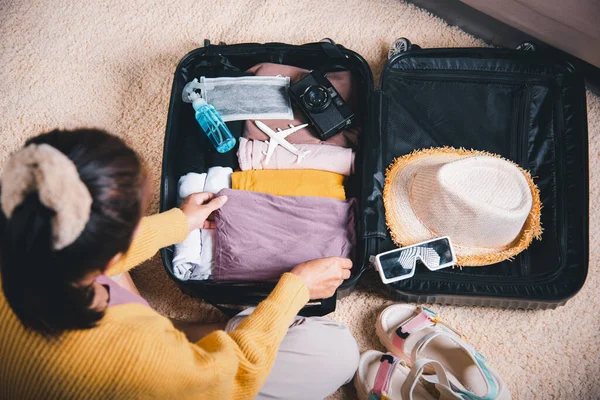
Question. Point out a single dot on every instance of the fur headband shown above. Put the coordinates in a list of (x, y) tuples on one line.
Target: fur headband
[(46, 170)]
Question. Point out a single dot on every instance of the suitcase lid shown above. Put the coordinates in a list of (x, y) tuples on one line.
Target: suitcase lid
[(526, 106)]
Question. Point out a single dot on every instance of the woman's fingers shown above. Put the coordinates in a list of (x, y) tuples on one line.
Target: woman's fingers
[(346, 274), (346, 263), (202, 197), (198, 207), (215, 203), (209, 225), (323, 276)]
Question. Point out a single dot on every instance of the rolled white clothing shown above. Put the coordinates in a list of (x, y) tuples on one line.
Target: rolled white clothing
[(187, 256), (187, 253), (193, 257), (208, 246), (189, 184), (218, 178), (252, 155)]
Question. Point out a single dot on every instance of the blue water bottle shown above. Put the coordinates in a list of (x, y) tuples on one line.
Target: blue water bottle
[(214, 127), (209, 119)]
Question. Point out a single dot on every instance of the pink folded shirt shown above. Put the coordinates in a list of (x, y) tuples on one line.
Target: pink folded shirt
[(259, 236), (252, 155), (342, 81)]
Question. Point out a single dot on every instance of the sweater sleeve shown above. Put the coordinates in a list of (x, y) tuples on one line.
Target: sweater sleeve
[(153, 233), (222, 365)]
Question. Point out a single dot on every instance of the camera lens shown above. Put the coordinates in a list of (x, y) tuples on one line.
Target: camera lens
[(316, 98)]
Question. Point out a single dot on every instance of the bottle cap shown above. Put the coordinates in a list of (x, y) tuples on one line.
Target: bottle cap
[(189, 93)]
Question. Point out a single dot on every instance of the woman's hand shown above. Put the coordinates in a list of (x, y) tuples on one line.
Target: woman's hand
[(323, 276), (199, 206)]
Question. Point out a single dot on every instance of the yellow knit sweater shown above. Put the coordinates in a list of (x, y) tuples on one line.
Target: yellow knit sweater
[(135, 353)]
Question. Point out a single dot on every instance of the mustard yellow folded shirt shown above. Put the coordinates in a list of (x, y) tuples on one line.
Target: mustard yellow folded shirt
[(135, 353), (295, 182)]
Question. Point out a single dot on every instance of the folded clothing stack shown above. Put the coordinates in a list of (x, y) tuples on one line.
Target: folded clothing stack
[(259, 236)]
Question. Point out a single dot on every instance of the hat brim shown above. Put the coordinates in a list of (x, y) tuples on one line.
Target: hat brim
[(406, 228)]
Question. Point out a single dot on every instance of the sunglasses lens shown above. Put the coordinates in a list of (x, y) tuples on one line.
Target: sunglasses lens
[(444, 254), (401, 263), (391, 268)]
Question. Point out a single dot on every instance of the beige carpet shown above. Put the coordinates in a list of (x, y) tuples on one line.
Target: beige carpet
[(110, 65)]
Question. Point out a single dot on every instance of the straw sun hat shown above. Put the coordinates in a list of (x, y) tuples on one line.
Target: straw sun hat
[(488, 206)]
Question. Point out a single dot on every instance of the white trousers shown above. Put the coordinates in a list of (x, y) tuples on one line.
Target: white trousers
[(317, 356)]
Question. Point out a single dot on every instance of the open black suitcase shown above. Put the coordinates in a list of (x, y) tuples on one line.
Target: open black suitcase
[(526, 106)]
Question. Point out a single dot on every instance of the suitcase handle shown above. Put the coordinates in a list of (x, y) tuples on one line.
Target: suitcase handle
[(317, 310)]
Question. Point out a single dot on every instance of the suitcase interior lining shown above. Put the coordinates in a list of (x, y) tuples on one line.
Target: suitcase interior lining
[(510, 117), (195, 148)]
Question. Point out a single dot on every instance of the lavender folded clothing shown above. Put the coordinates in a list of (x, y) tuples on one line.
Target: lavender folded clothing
[(323, 157), (259, 236)]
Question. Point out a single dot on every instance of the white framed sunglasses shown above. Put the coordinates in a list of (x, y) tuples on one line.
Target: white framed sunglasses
[(399, 264)]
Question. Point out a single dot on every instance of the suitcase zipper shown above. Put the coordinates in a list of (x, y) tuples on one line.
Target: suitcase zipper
[(515, 140), (466, 75), (522, 155), (523, 141), (525, 127), (559, 155)]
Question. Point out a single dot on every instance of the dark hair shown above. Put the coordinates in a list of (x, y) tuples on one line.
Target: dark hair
[(38, 282)]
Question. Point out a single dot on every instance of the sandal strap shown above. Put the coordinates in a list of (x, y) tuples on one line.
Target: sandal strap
[(384, 374), (413, 324), (417, 371), (477, 358)]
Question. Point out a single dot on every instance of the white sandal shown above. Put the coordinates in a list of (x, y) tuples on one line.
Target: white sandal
[(382, 376), (413, 333)]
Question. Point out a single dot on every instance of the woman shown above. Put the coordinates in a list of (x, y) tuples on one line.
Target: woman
[(73, 205)]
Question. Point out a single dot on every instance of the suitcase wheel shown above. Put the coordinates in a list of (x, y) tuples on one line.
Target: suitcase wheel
[(401, 45), (527, 46)]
